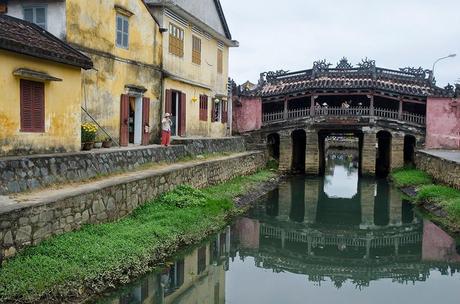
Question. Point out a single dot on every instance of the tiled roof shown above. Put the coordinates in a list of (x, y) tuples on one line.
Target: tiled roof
[(26, 38), (412, 82)]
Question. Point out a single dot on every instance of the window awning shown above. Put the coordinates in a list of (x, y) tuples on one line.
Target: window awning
[(34, 75)]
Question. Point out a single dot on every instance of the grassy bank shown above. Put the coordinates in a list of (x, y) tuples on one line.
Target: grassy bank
[(442, 202), (87, 261)]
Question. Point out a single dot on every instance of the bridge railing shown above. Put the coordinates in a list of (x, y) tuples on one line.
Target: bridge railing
[(345, 112)]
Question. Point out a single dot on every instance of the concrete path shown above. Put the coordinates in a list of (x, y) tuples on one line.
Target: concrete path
[(63, 191), (451, 155)]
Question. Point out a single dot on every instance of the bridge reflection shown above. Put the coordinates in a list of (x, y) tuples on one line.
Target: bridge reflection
[(343, 239)]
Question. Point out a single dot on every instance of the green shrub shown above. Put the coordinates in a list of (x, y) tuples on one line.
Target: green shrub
[(437, 193), (184, 196)]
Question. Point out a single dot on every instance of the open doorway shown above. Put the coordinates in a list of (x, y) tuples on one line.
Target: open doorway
[(175, 105), (134, 120)]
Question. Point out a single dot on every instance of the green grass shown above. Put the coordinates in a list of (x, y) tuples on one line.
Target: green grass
[(86, 261), (410, 177)]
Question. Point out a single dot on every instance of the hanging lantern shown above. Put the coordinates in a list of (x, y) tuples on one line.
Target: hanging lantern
[(194, 99)]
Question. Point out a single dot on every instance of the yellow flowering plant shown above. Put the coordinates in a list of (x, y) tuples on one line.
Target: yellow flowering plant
[(88, 132)]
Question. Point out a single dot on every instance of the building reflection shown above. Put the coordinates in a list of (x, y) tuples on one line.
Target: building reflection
[(370, 236), (199, 277)]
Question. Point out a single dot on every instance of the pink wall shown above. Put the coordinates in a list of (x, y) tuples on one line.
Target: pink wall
[(248, 232), (437, 245), (443, 123), (247, 114)]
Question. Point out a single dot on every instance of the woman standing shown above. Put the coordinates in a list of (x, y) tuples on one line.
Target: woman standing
[(166, 124)]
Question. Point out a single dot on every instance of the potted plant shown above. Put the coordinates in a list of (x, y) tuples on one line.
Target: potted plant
[(107, 142), (88, 135), (98, 141)]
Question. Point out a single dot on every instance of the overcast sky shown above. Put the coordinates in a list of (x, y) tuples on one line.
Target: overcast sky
[(291, 34)]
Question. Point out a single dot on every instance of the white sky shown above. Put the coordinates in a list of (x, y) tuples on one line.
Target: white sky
[(291, 34)]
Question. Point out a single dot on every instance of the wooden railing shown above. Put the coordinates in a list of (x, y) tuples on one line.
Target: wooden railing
[(345, 112)]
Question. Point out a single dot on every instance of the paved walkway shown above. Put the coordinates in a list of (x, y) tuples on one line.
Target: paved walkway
[(451, 155)]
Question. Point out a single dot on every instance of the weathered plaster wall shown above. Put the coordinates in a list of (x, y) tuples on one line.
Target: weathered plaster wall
[(206, 73), (443, 170), (442, 123), (55, 14), (194, 126), (91, 28), (31, 222), (247, 114), (62, 108), (18, 174)]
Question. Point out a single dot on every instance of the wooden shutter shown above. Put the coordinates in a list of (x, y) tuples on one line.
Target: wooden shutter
[(224, 112), (168, 101), (32, 106), (213, 111), (124, 117), (183, 112), (145, 121)]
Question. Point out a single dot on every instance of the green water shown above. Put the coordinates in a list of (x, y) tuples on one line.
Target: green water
[(335, 239)]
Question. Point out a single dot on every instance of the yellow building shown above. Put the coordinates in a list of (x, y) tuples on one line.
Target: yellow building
[(123, 91), (40, 78), (195, 62)]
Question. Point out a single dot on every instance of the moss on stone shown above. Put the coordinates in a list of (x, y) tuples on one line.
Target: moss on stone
[(87, 261)]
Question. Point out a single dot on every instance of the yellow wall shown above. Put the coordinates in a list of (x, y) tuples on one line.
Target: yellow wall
[(62, 108), (91, 27), (195, 127), (205, 74)]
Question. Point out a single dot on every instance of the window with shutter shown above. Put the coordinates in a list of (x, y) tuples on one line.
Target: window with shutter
[(122, 37), (176, 40), (203, 107), (196, 50), (32, 106)]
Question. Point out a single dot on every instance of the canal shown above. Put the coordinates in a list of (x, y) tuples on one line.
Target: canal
[(338, 238)]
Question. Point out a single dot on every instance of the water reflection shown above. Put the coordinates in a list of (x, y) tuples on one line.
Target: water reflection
[(341, 173), (301, 243), (199, 277)]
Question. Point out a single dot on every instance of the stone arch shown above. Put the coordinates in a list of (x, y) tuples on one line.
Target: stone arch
[(299, 145), (383, 157), (273, 145), (410, 143)]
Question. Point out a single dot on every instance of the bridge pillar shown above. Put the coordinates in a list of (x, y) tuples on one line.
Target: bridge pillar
[(284, 201), (311, 200), (367, 191), (397, 151), (285, 161), (368, 153), (312, 153), (395, 206)]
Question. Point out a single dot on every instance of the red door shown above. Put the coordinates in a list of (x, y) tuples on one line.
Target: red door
[(168, 101), (182, 114), (145, 121), (124, 116)]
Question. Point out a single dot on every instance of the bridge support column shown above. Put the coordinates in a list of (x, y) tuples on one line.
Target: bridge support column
[(397, 151), (285, 151), (395, 207), (367, 191), (368, 151), (312, 153), (284, 201), (311, 200)]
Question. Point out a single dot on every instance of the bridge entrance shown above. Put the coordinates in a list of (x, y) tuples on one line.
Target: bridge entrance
[(299, 142), (383, 158)]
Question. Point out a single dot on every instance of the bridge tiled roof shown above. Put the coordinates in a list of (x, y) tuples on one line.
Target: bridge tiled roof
[(367, 77)]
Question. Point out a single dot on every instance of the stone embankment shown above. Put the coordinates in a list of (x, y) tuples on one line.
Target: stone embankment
[(29, 218), (443, 166), (24, 173)]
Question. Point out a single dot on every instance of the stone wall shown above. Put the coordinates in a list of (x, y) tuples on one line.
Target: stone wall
[(443, 170), (18, 174), (57, 211)]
